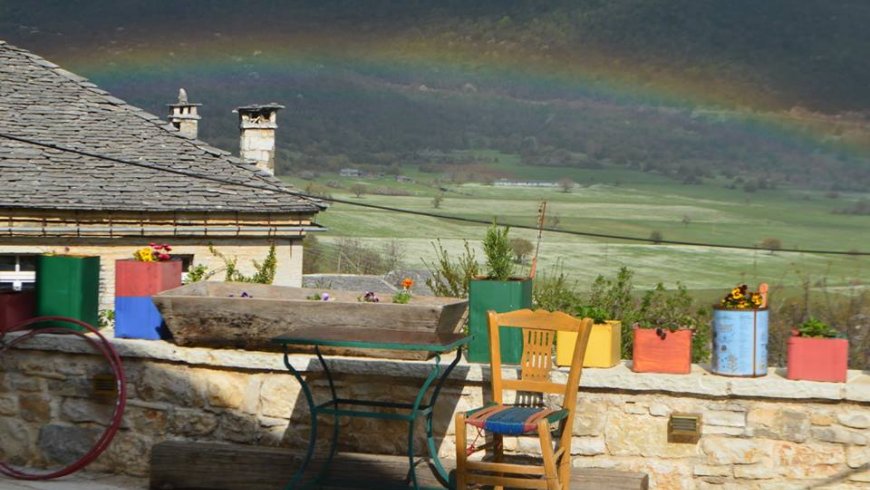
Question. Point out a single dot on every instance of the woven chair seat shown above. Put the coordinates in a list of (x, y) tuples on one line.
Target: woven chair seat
[(511, 420)]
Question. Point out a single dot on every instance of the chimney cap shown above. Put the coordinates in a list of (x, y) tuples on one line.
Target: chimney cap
[(272, 106), (182, 100)]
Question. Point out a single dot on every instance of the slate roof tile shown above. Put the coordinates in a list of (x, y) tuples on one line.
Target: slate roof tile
[(44, 103)]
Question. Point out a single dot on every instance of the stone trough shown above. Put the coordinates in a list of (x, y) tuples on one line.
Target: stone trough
[(248, 316)]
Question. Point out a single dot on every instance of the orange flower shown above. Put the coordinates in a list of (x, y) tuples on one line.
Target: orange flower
[(407, 283)]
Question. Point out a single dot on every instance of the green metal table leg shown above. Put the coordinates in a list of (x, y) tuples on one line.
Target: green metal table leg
[(430, 438), (312, 438), (334, 442), (436, 370)]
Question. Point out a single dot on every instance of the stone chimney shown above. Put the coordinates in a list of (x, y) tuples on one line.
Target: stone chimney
[(184, 116), (257, 124)]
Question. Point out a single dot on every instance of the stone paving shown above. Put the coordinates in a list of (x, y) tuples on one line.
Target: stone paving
[(78, 481)]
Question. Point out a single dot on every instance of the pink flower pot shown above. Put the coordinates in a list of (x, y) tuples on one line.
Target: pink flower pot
[(818, 359)]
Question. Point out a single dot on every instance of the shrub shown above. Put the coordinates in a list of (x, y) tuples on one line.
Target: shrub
[(448, 277), (497, 249)]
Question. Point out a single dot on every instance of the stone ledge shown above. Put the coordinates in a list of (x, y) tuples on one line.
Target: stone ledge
[(699, 382)]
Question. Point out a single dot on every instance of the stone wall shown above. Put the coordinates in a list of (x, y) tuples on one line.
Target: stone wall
[(765, 433)]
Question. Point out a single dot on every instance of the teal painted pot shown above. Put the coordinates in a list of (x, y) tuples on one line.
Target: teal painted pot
[(499, 296), (740, 342)]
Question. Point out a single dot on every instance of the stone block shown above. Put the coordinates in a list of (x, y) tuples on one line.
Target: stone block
[(280, 396), (857, 456), (171, 384), (129, 451), (858, 389), (147, 421), (819, 419), (856, 419), (808, 460), (657, 409), (63, 444), (8, 404), (718, 430), (839, 434), (237, 427), (80, 387), (79, 410), (860, 476), (224, 389), (758, 471), (732, 450), (588, 446), (712, 470), (636, 408), (589, 419), (191, 422), (251, 395), (35, 407), (778, 423), (16, 443), (725, 418), (20, 382)]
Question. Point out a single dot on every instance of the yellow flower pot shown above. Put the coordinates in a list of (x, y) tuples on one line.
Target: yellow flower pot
[(603, 350)]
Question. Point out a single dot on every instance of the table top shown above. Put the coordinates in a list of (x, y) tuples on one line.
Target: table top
[(367, 338)]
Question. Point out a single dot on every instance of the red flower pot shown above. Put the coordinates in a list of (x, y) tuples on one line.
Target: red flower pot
[(668, 353), (15, 307), (817, 359)]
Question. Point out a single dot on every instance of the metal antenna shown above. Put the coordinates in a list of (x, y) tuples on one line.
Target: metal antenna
[(542, 213)]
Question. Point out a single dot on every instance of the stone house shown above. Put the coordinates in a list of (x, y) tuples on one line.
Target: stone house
[(83, 172)]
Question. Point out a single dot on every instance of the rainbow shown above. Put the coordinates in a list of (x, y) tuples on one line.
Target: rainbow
[(275, 60)]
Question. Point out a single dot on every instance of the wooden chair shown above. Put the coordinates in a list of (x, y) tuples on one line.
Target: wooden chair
[(539, 332)]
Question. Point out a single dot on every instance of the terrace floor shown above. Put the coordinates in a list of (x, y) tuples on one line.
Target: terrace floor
[(78, 481)]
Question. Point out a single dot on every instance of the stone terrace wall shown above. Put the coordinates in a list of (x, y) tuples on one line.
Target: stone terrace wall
[(765, 433)]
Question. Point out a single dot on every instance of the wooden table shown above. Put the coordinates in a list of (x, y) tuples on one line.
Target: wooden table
[(360, 338)]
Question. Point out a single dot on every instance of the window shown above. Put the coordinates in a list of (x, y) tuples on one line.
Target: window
[(186, 262), (17, 271)]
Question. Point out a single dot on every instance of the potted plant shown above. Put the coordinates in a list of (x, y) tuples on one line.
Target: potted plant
[(816, 352), (15, 307), (150, 271), (68, 285), (663, 349), (498, 291), (740, 333), (605, 339)]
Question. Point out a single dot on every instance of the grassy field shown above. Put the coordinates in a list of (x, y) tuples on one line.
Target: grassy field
[(620, 202)]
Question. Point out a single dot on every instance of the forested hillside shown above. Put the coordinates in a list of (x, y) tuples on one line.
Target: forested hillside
[(764, 93)]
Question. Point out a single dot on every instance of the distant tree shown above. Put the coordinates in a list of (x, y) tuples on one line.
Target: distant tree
[(656, 236), (772, 244), (686, 220), (521, 249), (566, 184), (358, 190), (553, 221), (436, 201)]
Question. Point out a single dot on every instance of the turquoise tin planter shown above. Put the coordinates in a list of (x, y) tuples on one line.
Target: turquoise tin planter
[(740, 342)]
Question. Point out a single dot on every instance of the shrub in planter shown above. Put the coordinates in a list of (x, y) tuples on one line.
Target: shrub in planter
[(815, 353), (662, 350), (498, 291), (605, 340)]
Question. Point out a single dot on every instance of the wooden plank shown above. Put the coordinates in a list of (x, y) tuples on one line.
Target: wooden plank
[(180, 465)]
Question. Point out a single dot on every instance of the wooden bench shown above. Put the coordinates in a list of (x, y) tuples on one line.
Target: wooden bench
[(178, 465)]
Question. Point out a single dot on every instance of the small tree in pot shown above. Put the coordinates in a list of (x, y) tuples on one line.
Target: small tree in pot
[(498, 291)]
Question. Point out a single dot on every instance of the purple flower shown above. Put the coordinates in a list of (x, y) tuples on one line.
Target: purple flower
[(324, 296)]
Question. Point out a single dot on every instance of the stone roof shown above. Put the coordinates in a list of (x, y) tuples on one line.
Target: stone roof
[(42, 102)]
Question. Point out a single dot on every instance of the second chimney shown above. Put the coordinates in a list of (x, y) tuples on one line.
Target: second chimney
[(184, 116), (257, 124)]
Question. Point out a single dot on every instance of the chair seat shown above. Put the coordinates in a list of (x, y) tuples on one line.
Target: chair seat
[(512, 420)]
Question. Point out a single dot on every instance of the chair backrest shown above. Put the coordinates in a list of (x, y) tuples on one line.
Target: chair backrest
[(539, 334)]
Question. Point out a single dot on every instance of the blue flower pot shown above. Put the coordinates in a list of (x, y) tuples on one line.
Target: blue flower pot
[(740, 342)]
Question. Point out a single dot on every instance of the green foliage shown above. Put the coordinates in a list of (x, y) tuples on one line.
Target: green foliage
[(198, 272), (264, 273), (402, 297), (661, 308), (615, 296), (521, 248), (817, 328), (106, 319), (498, 252), (597, 314), (554, 292), (449, 277)]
